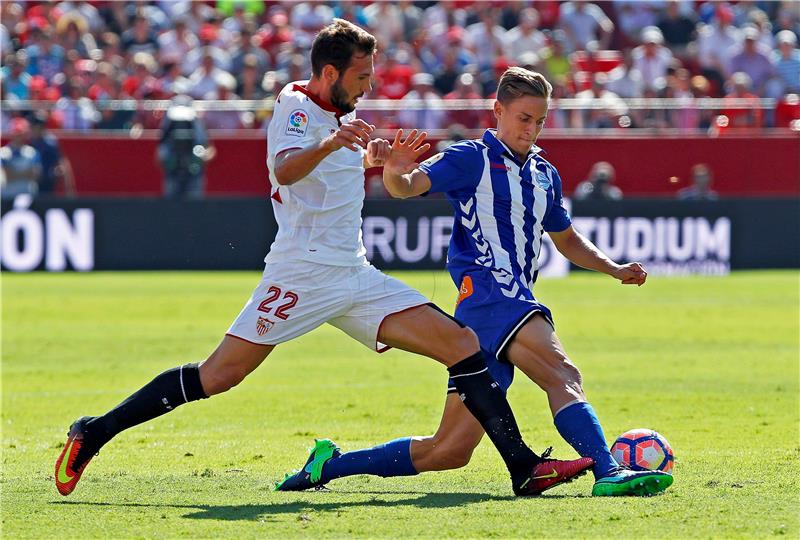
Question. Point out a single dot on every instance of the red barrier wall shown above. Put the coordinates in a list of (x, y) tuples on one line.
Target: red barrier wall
[(123, 166), (742, 166)]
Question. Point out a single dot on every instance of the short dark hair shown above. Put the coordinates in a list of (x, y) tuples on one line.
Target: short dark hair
[(337, 43), (517, 82)]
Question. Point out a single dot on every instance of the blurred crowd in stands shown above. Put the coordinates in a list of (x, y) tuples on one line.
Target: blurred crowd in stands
[(79, 55)]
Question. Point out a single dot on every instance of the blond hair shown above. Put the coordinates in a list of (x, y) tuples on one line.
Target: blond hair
[(517, 82)]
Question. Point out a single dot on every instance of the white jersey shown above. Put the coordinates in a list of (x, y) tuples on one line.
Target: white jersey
[(319, 217)]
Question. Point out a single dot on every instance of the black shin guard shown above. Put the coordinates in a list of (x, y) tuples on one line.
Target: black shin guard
[(168, 390), (487, 403)]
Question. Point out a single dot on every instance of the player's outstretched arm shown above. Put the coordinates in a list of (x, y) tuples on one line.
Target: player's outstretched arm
[(294, 165), (581, 251), (401, 176)]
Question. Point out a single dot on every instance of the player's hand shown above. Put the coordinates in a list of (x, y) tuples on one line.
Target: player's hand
[(631, 274), (351, 136), (377, 152), (405, 153)]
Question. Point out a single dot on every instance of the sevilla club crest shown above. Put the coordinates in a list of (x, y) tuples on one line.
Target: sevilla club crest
[(263, 325)]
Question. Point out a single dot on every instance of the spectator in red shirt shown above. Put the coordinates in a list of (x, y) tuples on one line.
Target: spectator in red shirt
[(40, 91), (275, 33), (393, 76), (787, 112), (742, 117), (142, 76)]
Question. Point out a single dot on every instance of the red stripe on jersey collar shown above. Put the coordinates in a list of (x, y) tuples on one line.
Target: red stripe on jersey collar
[(324, 105), (491, 140)]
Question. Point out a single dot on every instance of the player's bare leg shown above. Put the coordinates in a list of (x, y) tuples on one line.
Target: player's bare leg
[(226, 367), (450, 448), (458, 435), (427, 331), (537, 352), (452, 445), (232, 361)]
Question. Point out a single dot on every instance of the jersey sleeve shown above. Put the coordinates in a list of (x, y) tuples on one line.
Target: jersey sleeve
[(294, 125), (457, 168), (557, 219)]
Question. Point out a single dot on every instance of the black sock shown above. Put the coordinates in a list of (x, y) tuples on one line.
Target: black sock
[(487, 403), (168, 390)]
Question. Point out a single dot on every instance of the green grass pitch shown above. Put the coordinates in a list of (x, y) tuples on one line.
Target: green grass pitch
[(712, 363)]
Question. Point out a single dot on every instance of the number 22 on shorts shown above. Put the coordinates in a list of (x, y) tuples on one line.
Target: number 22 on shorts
[(273, 293)]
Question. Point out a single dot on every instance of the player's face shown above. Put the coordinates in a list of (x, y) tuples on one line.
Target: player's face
[(520, 121), (353, 83)]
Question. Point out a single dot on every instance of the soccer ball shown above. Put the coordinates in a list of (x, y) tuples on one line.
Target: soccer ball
[(643, 450)]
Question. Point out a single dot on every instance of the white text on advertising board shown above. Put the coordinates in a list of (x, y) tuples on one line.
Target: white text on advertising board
[(29, 239)]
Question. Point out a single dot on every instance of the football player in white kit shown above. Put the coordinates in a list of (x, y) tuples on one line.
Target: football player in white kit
[(317, 272)]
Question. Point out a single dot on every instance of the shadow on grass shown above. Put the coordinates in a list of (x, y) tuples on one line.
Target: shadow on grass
[(269, 512)]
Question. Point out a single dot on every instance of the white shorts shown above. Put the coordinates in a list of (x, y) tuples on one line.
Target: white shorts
[(293, 299)]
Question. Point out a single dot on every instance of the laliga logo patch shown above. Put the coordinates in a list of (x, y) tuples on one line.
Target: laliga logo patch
[(263, 325), (298, 122), (543, 181)]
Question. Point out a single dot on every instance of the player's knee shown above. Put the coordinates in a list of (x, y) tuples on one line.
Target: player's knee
[(455, 461), (439, 453), (562, 373), (465, 343), (218, 379), (571, 375), (573, 381), (449, 457), (567, 379)]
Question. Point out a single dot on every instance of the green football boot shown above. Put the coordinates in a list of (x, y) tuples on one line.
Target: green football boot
[(626, 482), (309, 476)]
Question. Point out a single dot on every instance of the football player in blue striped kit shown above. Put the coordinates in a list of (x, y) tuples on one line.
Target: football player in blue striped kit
[(505, 196)]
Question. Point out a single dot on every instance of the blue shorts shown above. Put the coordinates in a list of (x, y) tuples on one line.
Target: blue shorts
[(495, 318)]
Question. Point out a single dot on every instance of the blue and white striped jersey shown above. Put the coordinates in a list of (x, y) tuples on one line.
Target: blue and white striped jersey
[(502, 207)]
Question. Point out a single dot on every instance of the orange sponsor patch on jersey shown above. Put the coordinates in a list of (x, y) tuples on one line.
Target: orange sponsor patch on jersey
[(465, 291)]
